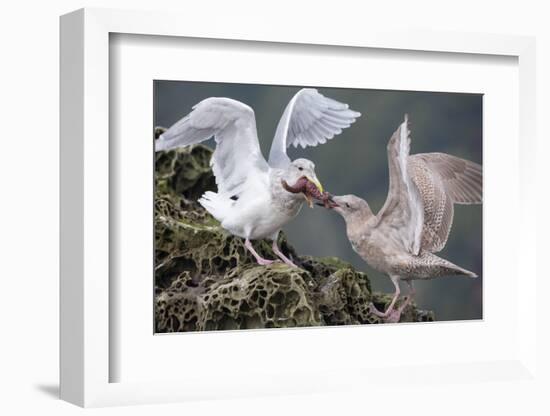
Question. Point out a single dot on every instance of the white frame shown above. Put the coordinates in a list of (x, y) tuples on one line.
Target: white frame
[(85, 192)]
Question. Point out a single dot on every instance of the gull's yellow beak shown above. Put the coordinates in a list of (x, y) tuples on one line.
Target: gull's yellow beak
[(316, 182), (319, 187)]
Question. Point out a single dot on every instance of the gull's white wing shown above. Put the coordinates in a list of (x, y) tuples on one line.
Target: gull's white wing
[(403, 210), (310, 118), (233, 125)]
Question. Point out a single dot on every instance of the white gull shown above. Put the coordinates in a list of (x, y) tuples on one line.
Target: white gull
[(251, 201)]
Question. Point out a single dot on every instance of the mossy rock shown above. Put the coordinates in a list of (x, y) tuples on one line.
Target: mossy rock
[(205, 279), (249, 297)]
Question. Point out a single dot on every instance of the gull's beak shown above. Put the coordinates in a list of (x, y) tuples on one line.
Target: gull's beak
[(334, 202), (316, 182), (330, 203)]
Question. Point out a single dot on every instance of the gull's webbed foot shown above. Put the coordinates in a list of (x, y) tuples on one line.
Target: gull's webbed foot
[(373, 309), (264, 262), (392, 314), (395, 315), (289, 262)]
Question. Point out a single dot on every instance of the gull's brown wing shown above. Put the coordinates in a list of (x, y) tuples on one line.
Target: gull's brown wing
[(443, 180)]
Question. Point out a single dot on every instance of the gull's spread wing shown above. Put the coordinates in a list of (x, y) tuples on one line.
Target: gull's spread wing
[(403, 210), (310, 118), (233, 125), (443, 180)]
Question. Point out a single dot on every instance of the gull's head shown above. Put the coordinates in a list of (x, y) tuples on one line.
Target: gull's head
[(302, 168), (350, 206)]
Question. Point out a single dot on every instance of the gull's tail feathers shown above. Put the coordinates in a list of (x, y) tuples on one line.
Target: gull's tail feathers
[(429, 266), (452, 269), (459, 271), (216, 204)]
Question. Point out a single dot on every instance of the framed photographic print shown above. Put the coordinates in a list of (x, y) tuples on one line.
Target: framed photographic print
[(213, 269), (234, 207)]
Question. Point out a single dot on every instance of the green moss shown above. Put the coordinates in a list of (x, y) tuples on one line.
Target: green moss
[(205, 279)]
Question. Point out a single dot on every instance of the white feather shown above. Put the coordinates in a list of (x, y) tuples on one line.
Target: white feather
[(309, 119), (237, 156), (244, 201)]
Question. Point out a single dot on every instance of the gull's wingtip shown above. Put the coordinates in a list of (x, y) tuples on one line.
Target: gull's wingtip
[(308, 90), (160, 144)]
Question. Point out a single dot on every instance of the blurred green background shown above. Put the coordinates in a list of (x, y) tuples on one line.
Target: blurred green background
[(355, 162)]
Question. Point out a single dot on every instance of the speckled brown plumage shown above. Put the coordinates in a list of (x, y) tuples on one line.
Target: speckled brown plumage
[(443, 180), (417, 216), (429, 266)]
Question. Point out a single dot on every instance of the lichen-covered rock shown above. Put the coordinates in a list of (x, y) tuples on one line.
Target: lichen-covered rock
[(249, 297), (205, 279)]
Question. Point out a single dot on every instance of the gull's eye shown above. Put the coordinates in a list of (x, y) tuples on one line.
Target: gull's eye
[(347, 205), (300, 169)]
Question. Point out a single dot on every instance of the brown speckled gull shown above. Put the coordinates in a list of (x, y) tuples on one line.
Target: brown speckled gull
[(416, 218)]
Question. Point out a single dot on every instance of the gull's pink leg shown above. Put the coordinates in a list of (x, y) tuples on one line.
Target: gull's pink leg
[(412, 290), (280, 254), (259, 259), (396, 314), (389, 310)]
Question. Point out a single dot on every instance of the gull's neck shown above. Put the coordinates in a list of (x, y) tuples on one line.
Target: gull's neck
[(281, 197), (357, 223)]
